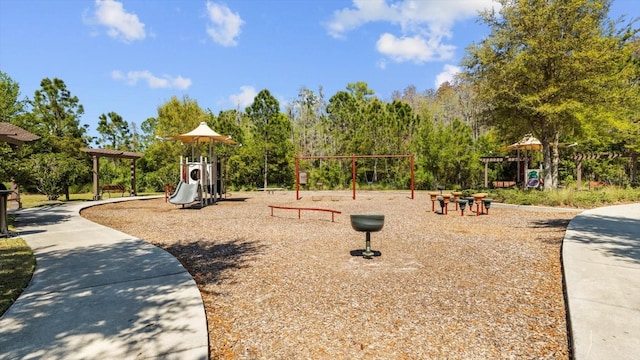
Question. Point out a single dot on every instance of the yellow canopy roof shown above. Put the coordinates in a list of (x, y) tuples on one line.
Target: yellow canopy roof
[(528, 142), (203, 133)]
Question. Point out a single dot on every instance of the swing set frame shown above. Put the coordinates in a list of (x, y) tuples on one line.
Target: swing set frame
[(353, 168)]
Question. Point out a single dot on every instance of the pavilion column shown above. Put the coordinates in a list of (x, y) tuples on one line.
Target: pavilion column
[(133, 177), (518, 167), (579, 174), (96, 181), (486, 174)]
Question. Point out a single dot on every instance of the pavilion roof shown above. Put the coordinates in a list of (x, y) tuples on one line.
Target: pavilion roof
[(113, 153), (15, 135)]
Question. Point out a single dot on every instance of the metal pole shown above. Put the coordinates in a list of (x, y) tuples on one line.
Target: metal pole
[(412, 177), (353, 175), (297, 178)]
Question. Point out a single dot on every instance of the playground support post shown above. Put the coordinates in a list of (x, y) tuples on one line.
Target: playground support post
[(353, 175), (412, 177), (297, 178)]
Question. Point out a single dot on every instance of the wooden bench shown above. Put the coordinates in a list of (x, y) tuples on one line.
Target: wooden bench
[(115, 188), (333, 212), (503, 184)]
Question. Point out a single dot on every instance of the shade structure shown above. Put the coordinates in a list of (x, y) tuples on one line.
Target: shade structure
[(528, 142), (97, 153), (202, 134), (15, 135)]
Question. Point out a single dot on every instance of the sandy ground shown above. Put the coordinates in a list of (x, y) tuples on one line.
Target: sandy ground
[(443, 286)]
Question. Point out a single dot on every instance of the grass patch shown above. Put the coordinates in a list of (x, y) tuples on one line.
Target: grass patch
[(584, 199), (35, 200), (16, 267)]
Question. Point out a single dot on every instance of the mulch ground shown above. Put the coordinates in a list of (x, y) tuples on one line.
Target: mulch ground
[(444, 286)]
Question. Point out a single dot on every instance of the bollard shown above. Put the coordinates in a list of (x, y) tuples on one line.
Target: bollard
[(463, 204), (487, 204), (470, 200)]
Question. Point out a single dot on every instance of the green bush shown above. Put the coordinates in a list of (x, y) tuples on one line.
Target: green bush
[(567, 197)]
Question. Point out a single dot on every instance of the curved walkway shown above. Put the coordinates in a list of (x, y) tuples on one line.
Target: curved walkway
[(98, 293), (601, 261)]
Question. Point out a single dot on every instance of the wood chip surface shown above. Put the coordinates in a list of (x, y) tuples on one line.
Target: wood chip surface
[(443, 287)]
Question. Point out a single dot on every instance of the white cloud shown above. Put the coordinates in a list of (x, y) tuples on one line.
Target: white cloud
[(423, 25), (415, 48), (120, 24), (225, 25), (449, 74), (365, 11), (245, 97), (117, 75), (154, 82)]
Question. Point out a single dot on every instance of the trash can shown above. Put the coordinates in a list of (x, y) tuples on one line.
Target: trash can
[(4, 223)]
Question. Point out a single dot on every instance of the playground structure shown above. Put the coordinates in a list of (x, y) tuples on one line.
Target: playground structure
[(201, 180), (302, 177)]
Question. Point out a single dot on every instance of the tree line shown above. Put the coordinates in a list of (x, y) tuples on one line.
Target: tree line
[(560, 70)]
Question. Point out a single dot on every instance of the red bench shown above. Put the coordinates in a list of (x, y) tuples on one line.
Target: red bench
[(333, 212)]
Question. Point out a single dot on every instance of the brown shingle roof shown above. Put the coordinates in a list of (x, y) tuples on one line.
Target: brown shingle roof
[(15, 135)]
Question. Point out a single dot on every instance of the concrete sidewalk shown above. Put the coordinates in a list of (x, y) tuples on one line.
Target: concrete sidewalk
[(98, 293), (601, 260)]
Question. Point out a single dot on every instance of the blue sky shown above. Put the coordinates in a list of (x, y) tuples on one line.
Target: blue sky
[(131, 56)]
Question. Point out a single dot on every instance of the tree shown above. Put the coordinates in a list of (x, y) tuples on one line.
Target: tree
[(10, 105), (53, 174), (10, 109), (544, 66), (160, 161), (229, 123), (114, 132), (55, 117), (307, 113), (272, 132)]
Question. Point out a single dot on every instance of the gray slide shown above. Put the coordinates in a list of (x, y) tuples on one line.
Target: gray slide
[(184, 194)]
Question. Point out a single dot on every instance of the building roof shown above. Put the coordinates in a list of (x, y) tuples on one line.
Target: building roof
[(15, 135)]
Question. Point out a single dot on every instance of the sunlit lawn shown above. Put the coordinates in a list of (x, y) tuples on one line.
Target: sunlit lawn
[(16, 267)]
